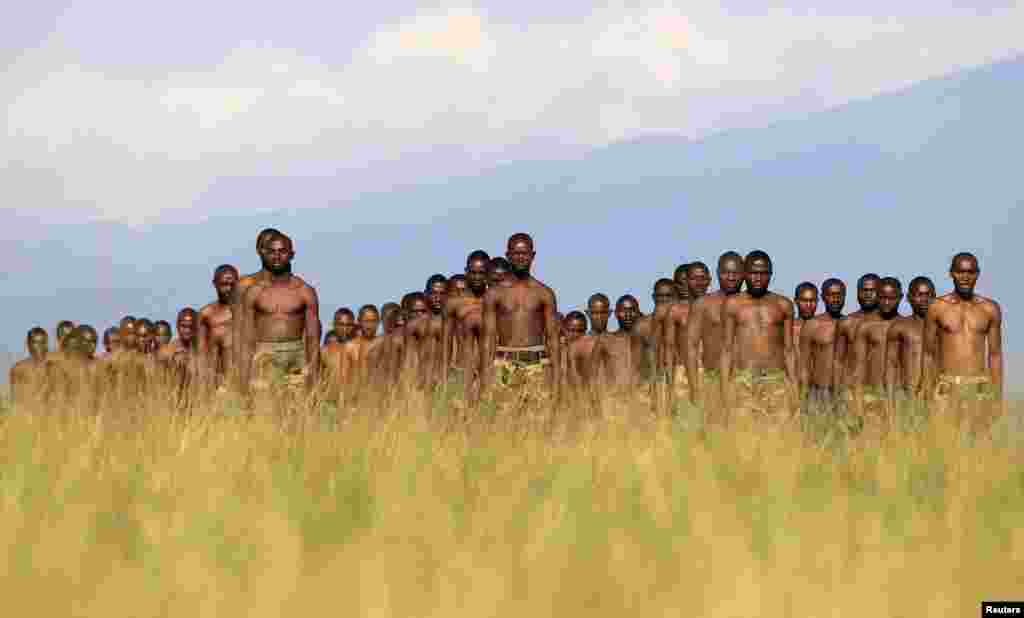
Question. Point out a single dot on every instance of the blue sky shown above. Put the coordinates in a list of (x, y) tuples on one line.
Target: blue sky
[(129, 124)]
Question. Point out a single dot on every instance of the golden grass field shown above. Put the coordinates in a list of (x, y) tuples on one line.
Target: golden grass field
[(114, 508)]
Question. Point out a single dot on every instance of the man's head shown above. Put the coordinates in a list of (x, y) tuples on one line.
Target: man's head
[(477, 265), (163, 332), (498, 271), (920, 295), (575, 325), (682, 287), (369, 320), (598, 310), (730, 272), (224, 279), (520, 254), (64, 328), (330, 337), (145, 336), (665, 292), (457, 285), (344, 323), (263, 237), (964, 270), (627, 310), (112, 340), (37, 342), (187, 322), (890, 293), (833, 294), (867, 292), (758, 273), (806, 300), (698, 278), (277, 255), (85, 338), (437, 292), (127, 331), (418, 306), (387, 316)]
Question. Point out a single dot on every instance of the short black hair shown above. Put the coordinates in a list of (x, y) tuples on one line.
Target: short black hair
[(343, 311), (388, 307), (110, 331), (499, 263), (865, 278), (626, 297), (665, 281), (921, 279), (962, 255), (81, 329), (893, 281), (479, 254), (35, 330), (729, 255), (682, 268), (160, 323), (806, 285), (518, 236), (827, 283), (697, 264), (225, 268), (186, 311), (575, 315), (435, 278), (412, 297), (368, 307), (598, 297), (757, 255)]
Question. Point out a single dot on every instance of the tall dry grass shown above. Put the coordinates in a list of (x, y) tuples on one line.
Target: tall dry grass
[(114, 505)]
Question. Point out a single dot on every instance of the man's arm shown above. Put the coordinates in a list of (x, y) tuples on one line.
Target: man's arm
[(891, 356), (238, 333), (447, 340), (789, 356), (929, 341), (806, 350), (694, 331), (312, 320), (488, 340), (246, 339), (995, 348), (552, 341), (728, 335)]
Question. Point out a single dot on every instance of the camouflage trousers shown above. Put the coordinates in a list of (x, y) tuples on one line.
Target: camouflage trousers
[(511, 373), (279, 362), (964, 388), (759, 392)]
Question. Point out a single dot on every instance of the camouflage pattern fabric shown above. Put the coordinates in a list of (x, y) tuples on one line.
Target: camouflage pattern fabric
[(281, 362), (964, 388), (512, 373), (759, 392)]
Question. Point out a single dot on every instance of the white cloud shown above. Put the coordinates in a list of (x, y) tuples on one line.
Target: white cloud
[(134, 149)]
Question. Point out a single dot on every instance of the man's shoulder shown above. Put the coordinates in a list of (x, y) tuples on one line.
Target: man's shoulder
[(541, 286)]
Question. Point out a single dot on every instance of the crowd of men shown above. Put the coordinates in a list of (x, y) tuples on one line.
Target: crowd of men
[(496, 326)]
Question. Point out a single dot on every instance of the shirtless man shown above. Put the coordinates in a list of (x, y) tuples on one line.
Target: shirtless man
[(704, 326), (436, 290), (677, 327), (618, 355), (354, 359), (519, 327), (373, 348), (904, 341), (498, 273), (282, 324), (385, 312), (581, 351), (179, 351), (463, 320), (145, 337), (111, 342), (215, 329), (28, 376), (817, 367), (574, 326), (867, 298), (806, 299), (757, 346), (698, 278), (869, 349), (963, 336), (344, 324), (64, 328), (163, 333), (456, 285), (417, 351)]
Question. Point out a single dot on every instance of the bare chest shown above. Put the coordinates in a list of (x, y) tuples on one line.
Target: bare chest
[(964, 318), (280, 301)]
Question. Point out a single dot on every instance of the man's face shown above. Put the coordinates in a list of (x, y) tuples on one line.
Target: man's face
[(574, 329), (369, 321), (224, 283), (697, 281), (277, 256), (807, 303), (331, 338), (63, 331), (665, 294), (599, 312), (476, 277), (418, 308), (889, 298), (437, 295), (920, 298), (626, 313), (128, 339), (186, 327), (759, 275), (730, 275), (497, 276), (112, 341), (400, 318), (38, 344), (520, 255), (835, 299), (88, 341), (145, 338), (163, 334), (344, 324), (682, 287), (457, 287), (965, 275), (867, 295)]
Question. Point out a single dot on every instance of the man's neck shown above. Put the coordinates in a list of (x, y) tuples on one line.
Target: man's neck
[(965, 296)]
